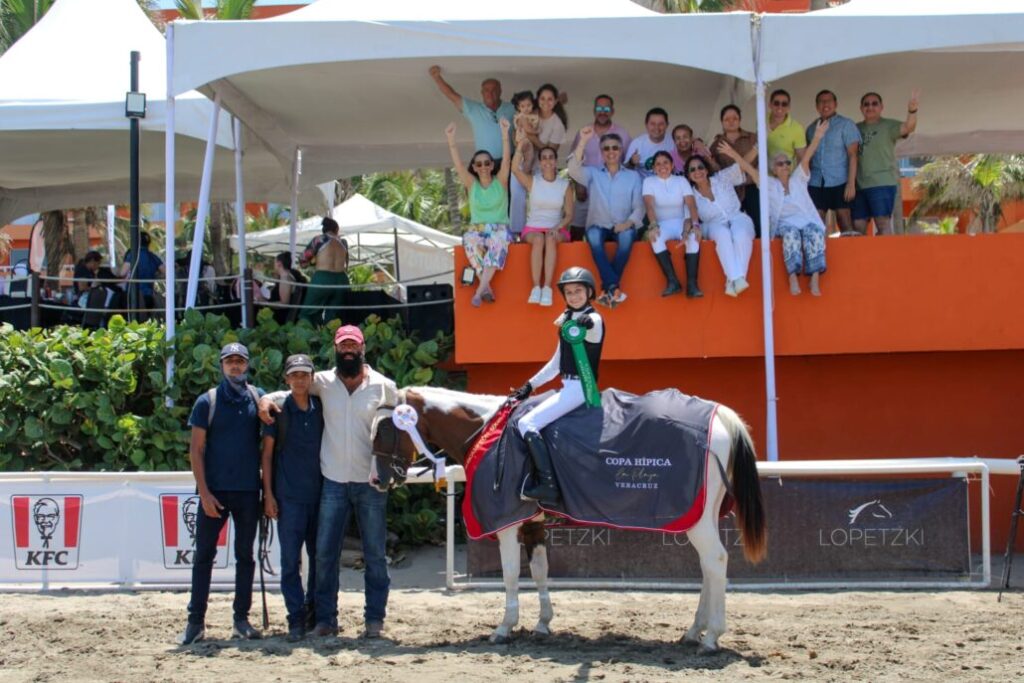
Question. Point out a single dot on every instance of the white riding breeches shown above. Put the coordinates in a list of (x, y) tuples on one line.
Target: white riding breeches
[(672, 229), (553, 407), (734, 242)]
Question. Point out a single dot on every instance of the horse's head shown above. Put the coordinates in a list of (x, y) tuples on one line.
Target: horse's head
[(393, 449)]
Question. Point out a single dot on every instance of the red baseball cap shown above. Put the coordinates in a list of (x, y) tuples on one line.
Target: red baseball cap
[(346, 332)]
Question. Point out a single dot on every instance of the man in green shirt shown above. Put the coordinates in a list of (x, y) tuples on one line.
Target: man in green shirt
[(877, 175)]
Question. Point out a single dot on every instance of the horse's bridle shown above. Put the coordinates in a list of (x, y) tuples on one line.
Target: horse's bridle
[(388, 454)]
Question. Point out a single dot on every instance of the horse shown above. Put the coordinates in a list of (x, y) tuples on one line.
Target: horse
[(449, 420)]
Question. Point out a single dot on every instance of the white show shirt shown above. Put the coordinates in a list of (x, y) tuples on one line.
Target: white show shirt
[(669, 197)]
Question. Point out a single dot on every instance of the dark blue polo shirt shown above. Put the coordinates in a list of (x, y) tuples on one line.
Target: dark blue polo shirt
[(297, 467), (232, 455)]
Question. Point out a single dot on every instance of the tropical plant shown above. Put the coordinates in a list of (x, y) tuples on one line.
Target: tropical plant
[(694, 6), (17, 17), (417, 195), (224, 9), (979, 184)]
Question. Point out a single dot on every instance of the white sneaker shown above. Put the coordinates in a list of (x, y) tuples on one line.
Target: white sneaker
[(741, 285), (545, 296), (534, 296), (730, 288)]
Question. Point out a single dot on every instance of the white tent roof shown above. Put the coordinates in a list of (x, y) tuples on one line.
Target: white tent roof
[(424, 254), (347, 82), (967, 59), (63, 131)]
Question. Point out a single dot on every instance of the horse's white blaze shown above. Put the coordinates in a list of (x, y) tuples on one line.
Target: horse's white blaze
[(447, 400)]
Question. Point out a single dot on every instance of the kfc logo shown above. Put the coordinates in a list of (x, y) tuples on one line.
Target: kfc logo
[(47, 530), (179, 515)]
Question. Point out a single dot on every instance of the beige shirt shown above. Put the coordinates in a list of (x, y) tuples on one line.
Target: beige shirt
[(346, 449)]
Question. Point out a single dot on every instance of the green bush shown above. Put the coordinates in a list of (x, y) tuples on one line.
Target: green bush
[(96, 400)]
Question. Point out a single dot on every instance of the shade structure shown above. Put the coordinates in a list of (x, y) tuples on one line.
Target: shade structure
[(967, 59), (348, 84), (374, 234), (63, 131)]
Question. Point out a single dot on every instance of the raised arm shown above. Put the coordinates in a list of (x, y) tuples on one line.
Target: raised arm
[(910, 125), (460, 168), (728, 150), (812, 147), (524, 178), (506, 153), (448, 91), (576, 171)]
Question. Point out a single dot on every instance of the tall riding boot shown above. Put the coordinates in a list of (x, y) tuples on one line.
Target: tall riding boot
[(672, 285), (692, 264), (544, 489)]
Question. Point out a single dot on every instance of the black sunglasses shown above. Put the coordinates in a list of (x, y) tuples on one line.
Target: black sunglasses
[(611, 148), (694, 169), (779, 103)]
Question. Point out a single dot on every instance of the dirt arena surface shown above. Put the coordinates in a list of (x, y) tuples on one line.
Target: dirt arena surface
[(432, 635)]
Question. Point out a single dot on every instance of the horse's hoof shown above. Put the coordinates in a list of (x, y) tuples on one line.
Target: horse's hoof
[(499, 639), (541, 631), (707, 650)]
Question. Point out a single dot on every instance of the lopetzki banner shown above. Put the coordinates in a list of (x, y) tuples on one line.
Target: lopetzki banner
[(88, 529)]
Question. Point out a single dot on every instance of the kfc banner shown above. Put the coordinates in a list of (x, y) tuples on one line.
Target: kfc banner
[(112, 529)]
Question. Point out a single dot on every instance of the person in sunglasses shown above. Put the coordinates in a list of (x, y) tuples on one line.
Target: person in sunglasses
[(718, 208), (487, 237), (604, 110), (877, 177), (792, 215), (784, 134), (484, 115), (616, 209)]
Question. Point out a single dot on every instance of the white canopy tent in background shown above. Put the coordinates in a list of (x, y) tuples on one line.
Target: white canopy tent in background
[(63, 131), (421, 255)]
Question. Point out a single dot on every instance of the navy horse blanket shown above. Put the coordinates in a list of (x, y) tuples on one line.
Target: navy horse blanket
[(637, 462)]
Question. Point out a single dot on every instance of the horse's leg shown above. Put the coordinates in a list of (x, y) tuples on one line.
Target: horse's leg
[(509, 545), (704, 537), (533, 538)]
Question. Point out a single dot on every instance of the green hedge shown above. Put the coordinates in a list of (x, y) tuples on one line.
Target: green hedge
[(96, 400)]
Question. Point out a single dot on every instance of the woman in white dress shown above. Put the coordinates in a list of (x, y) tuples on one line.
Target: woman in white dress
[(671, 213), (550, 210)]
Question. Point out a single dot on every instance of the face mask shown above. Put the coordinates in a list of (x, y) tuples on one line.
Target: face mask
[(237, 384), (349, 365)]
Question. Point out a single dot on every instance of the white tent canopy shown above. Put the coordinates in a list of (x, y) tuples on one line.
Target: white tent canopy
[(347, 82), (63, 131), (423, 254), (967, 59)]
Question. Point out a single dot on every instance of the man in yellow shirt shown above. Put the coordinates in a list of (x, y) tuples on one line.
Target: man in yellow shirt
[(784, 134)]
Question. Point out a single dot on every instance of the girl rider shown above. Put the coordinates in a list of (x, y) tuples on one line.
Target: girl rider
[(578, 288)]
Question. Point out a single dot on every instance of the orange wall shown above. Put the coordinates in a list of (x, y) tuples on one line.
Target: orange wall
[(913, 349)]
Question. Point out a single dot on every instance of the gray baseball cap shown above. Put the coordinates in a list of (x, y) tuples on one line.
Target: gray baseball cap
[(234, 349), (299, 362)]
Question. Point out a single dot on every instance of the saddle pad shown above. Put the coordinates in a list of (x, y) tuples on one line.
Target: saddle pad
[(638, 462)]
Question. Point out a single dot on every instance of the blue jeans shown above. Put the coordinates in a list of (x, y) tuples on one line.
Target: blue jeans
[(611, 273), (296, 524), (337, 500), (244, 508)]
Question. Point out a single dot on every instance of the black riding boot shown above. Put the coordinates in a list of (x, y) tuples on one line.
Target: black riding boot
[(692, 263), (672, 285), (544, 489)]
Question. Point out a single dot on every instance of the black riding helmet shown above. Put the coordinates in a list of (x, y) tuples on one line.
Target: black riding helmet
[(579, 276)]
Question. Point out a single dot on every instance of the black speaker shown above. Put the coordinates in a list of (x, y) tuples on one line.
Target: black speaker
[(367, 302), (425, 318)]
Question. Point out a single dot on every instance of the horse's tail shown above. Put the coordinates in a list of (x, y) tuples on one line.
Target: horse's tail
[(746, 486)]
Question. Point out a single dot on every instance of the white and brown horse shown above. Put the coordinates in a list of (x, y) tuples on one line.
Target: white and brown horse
[(450, 419)]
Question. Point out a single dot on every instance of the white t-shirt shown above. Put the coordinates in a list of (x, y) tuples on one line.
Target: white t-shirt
[(795, 208), (669, 194), (726, 204), (550, 131), (647, 150), (546, 201)]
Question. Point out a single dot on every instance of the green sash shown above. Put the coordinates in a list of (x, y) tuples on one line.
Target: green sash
[(574, 334)]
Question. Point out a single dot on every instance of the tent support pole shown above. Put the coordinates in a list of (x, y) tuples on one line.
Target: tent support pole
[(296, 174), (111, 243), (170, 209), (203, 209), (243, 264), (398, 271), (771, 418)]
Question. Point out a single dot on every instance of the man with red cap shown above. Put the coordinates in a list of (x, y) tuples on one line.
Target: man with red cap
[(351, 393)]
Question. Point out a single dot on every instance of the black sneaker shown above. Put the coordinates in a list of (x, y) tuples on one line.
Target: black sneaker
[(241, 628), (193, 634), (295, 633), (323, 630)]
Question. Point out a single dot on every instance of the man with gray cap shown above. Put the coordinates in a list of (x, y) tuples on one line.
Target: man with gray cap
[(291, 489), (225, 455)]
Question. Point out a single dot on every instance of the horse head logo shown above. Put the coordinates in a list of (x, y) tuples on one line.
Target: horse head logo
[(189, 514), (872, 508), (46, 515)]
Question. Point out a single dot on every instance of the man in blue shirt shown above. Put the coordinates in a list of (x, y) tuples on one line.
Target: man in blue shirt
[(615, 212), (483, 115), (225, 455), (833, 182), (291, 489), (148, 269)]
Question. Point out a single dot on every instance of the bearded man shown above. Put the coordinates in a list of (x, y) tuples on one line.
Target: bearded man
[(351, 393)]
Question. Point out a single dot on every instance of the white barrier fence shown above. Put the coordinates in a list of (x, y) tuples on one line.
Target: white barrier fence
[(135, 530)]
